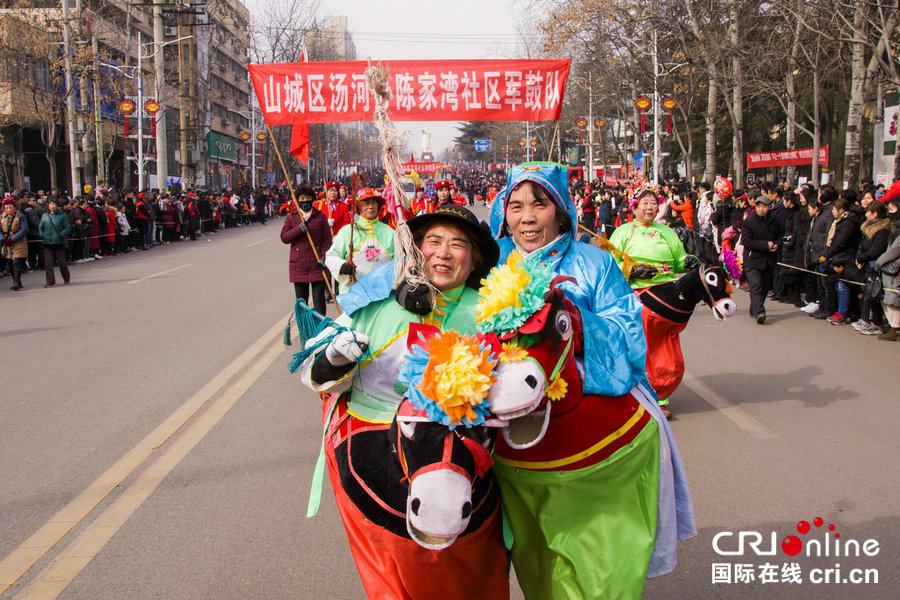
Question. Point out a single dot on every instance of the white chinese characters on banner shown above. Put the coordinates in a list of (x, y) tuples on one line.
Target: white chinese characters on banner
[(444, 90)]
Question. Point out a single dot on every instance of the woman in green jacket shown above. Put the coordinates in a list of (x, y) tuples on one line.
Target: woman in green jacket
[(54, 229)]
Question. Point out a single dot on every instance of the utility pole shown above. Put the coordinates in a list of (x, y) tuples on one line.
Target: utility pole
[(98, 125), (182, 110), (655, 179), (140, 115), (74, 157), (159, 61), (590, 157)]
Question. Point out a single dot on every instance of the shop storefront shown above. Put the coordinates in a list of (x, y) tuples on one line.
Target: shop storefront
[(221, 151)]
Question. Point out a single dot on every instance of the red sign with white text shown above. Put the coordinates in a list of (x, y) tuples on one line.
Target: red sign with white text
[(759, 160), (442, 90)]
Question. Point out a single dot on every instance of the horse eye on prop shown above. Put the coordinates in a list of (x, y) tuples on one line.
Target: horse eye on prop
[(712, 279), (564, 324), (408, 428)]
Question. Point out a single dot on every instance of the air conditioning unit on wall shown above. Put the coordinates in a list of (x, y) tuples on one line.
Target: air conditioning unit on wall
[(171, 31)]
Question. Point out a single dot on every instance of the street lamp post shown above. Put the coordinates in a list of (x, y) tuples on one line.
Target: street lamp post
[(252, 119), (160, 133)]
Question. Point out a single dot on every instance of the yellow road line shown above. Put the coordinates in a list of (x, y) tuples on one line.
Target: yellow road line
[(50, 582), (23, 558)]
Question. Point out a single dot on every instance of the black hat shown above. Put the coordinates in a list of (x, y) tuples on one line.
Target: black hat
[(481, 233)]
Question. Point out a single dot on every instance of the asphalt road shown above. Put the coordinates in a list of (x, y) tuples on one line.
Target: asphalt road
[(154, 444)]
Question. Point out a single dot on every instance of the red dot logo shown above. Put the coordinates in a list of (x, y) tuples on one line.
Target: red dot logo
[(818, 521), (803, 527), (791, 545)]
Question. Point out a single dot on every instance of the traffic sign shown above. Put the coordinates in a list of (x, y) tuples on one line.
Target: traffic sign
[(483, 145)]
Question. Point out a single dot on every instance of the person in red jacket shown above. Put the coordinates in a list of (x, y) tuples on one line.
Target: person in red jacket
[(336, 211), (143, 221), (304, 231)]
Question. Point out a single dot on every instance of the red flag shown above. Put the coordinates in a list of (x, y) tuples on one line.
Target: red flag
[(300, 142), (300, 132)]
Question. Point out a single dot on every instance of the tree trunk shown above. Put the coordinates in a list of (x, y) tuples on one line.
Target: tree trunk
[(737, 121), (791, 87), (817, 129), (710, 167), (852, 147)]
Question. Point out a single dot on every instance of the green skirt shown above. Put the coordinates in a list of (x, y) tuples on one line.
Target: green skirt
[(587, 533)]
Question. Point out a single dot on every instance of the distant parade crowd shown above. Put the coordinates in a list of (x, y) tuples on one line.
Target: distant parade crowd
[(820, 246)]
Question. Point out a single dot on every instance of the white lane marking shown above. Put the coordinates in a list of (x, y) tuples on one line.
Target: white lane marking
[(23, 558), (158, 274), (257, 243), (50, 582), (727, 409)]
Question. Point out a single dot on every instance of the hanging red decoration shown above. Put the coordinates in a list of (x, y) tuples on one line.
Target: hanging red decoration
[(582, 123), (152, 107), (643, 104), (262, 138), (127, 107), (245, 136), (669, 104)]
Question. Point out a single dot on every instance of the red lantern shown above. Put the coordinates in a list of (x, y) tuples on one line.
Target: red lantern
[(152, 107), (245, 136), (582, 122), (127, 107), (643, 104), (533, 143), (262, 138), (669, 104)]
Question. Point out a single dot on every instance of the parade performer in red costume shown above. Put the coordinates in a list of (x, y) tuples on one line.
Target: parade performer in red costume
[(335, 210)]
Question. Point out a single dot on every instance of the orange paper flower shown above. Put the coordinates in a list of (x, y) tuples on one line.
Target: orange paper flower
[(458, 374)]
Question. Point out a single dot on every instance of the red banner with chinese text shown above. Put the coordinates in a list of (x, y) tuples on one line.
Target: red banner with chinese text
[(780, 158), (443, 90)]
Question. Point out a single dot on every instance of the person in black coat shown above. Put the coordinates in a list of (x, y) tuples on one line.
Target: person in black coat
[(875, 236), (761, 235), (843, 240), (787, 288)]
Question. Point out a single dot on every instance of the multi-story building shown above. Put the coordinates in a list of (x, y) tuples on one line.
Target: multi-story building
[(203, 92)]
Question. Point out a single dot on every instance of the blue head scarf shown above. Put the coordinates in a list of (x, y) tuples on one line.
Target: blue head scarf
[(550, 176)]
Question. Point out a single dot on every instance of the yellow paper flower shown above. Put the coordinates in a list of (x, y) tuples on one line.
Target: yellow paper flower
[(501, 290), (557, 388), (512, 353), (458, 375)]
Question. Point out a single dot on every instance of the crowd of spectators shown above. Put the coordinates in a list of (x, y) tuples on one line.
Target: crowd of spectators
[(834, 253), (103, 223)]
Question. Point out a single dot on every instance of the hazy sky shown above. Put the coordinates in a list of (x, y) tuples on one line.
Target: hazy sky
[(424, 29)]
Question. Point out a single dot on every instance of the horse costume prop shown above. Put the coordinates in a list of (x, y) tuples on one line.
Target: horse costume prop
[(419, 504), (579, 474), (667, 308)]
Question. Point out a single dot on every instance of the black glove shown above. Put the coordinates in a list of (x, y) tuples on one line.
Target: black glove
[(321, 265), (347, 269), (643, 272), (691, 262), (6, 241), (415, 299), (303, 227)]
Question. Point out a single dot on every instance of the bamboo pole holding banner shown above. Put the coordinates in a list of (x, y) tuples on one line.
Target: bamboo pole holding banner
[(552, 140), (287, 178)]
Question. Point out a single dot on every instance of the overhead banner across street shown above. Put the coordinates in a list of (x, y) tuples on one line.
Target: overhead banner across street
[(441, 90)]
